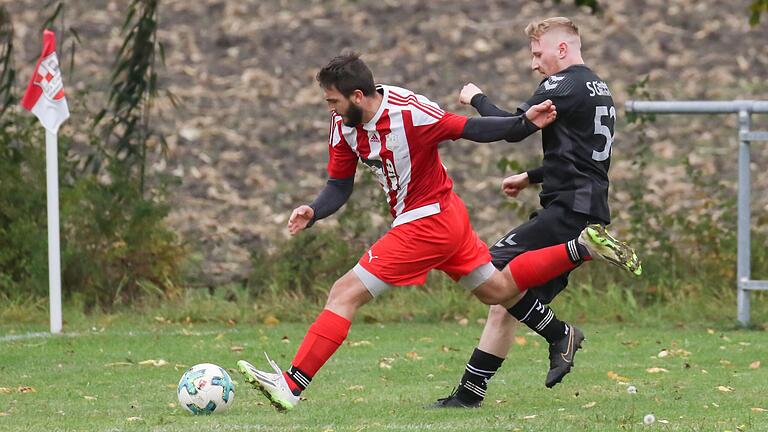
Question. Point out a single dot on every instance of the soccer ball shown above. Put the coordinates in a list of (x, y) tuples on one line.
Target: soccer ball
[(205, 389)]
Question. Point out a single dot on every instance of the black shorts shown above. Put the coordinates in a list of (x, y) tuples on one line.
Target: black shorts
[(546, 227)]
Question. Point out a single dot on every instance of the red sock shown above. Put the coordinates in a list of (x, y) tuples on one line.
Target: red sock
[(534, 268), (324, 336)]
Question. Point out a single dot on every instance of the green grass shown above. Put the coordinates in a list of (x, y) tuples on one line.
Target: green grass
[(90, 379)]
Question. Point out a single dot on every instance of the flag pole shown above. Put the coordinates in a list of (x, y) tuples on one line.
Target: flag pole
[(45, 99), (54, 259)]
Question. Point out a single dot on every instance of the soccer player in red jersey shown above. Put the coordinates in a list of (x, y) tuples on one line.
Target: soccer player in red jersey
[(395, 133)]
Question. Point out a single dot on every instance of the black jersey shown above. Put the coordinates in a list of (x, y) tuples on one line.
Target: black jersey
[(577, 145)]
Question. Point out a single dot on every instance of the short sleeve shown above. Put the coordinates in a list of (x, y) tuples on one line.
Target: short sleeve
[(448, 127), (342, 161)]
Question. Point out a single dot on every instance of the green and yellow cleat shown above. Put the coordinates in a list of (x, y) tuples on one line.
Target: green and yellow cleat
[(602, 244)]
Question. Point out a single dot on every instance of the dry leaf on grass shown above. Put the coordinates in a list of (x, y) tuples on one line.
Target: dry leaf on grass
[(5, 390), (153, 362), (355, 387), (758, 409), (530, 417), (386, 363), (754, 364), (589, 405), (725, 389), (614, 376), (27, 389), (413, 355), (89, 398), (118, 364), (360, 343), (656, 370), (236, 348), (133, 419), (4, 414), (271, 320)]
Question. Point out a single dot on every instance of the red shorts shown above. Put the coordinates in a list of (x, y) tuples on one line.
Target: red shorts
[(444, 241)]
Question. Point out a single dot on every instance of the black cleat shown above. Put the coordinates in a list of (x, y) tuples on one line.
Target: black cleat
[(453, 401), (561, 355)]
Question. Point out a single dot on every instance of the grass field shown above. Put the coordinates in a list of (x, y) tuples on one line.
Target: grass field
[(382, 378)]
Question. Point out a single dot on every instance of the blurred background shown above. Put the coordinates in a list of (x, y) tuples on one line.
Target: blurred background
[(197, 126)]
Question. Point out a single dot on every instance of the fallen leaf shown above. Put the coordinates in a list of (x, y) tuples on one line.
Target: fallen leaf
[(153, 362), (160, 319), (520, 340), (236, 348), (386, 363), (118, 364), (360, 343), (656, 370), (355, 387), (27, 389), (757, 409), (726, 389), (754, 364), (271, 320), (463, 322), (663, 353), (219, 336), (745, 343), (413, 355), (447, 348), (664, 421), (4, 414), (171, 405), (589, 405), (131, 419), (614, 376), (530, 417), (710, 331), (89, 398), (5, 390), (500, 401)]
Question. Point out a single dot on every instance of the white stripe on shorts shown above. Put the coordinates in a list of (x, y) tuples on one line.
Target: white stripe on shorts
[(372, 283), (477, 276)]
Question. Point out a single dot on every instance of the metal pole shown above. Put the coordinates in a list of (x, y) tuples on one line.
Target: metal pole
[(743, 254)]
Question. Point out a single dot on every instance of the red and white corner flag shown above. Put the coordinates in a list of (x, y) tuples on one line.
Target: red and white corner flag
[(45, 93), (45, 98)]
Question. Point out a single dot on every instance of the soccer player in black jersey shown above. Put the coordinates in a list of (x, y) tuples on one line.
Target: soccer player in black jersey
[(574, 179)]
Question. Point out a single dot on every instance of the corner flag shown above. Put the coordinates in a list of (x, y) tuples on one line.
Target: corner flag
[(45, 98)]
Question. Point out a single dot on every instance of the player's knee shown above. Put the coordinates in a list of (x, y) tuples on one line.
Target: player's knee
[(498, 316), (489, 296)]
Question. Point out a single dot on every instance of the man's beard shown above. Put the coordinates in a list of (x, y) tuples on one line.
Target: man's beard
[(354, 115)]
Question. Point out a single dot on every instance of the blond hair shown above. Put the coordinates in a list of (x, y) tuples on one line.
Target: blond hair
[(536, 29)]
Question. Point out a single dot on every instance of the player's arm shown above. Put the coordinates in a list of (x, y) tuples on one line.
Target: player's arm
[(330, 199), (513, 129), (472, 95), (536, 175)]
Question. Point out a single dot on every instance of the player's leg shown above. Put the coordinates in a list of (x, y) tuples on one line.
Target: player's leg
[(324, 337), (485, 361)]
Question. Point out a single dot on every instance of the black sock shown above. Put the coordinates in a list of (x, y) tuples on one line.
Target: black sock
[(299, 378), (539, 318), (577, 252), (481, 368)]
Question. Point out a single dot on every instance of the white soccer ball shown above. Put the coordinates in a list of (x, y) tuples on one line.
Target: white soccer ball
[(205, 389)]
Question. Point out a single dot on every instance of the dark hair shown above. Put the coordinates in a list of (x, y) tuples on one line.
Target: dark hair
[(347, 73)]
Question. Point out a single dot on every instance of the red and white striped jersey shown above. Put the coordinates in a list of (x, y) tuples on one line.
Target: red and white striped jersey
[(399, 144)]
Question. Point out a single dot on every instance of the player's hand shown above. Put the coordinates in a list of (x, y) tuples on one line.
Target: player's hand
[(542, 114), (512, 185), (468, 92), (300, 218)]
